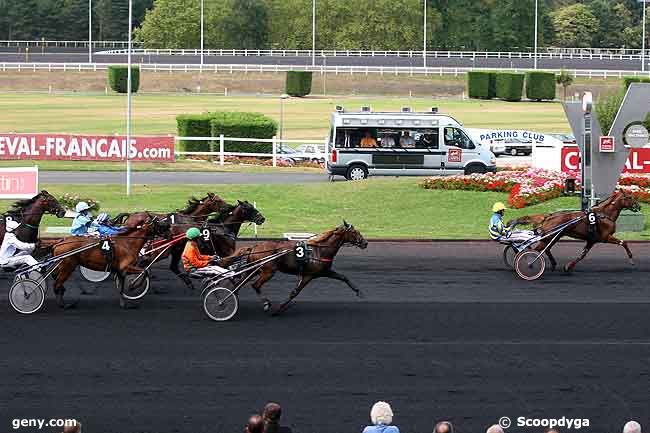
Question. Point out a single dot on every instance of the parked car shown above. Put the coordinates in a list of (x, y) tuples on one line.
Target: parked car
[(518, 146), (311, 152), (565, 138)]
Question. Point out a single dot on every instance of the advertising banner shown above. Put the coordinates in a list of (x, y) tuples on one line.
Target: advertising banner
[(638, 160), (18, 182)]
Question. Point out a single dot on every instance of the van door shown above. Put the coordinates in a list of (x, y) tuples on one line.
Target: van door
[(430, 141), (459, 148)]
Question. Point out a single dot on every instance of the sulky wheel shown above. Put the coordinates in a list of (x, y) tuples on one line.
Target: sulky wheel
[(94, 276), (509, 254), (26, 296), (530, 265), (137, 285), (220, 304)]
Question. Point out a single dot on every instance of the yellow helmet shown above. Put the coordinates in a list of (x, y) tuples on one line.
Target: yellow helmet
[(498, 207)]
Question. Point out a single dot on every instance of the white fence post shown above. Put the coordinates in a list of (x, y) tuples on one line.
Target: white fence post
[(275, 149), (221, 149)]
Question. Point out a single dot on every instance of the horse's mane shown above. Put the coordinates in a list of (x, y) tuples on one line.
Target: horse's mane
[(19, 206), (192, 204), (323, 237), (221, 215), (609, 200)]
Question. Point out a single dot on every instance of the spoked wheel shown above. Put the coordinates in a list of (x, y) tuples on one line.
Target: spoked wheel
[(26, 296), (530, 265), (509, 254), (137, 285), (94, 276), (34, 275), (220, 304)]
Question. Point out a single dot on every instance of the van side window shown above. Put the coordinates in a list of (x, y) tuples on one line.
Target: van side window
[(456, 137), (428, 139)]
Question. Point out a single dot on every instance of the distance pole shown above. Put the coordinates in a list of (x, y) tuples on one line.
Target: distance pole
[(128, 106), (313, 33), (536, 33), (90, 31), (643, 42), (202, 35), (424, 50)]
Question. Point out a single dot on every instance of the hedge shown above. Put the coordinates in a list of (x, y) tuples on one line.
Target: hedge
[(298, 83), (117, 78), (492, 90), (509, 86), (629, 80), (478, 84), (245, 125), (230, 124), (540, 85)]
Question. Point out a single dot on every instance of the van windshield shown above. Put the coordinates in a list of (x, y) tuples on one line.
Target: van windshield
[(405, 138)]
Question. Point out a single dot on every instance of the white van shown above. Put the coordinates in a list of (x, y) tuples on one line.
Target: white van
[(402, 143)]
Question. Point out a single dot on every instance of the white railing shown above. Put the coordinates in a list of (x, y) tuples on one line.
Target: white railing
[(551, 53), (66, 44), (350, 70), (276, 145)]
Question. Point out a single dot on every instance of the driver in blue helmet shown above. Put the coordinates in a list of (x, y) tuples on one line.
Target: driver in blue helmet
[(104, 226)]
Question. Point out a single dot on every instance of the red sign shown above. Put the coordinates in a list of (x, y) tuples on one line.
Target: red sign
[(455, 155), (607, 144), (18, 182), (85, 147), (638, 160)]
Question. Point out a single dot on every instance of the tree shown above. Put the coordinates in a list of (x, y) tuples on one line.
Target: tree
[(564, 79), (575, 26), (247, 25), (514, 25), (290, 24)]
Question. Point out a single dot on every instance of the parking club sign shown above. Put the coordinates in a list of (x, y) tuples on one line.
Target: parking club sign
[(607, 144)]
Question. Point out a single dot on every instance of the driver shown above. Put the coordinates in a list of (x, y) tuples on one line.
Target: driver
[(499, 231), (14, 252), (194, 261), (82, 221)]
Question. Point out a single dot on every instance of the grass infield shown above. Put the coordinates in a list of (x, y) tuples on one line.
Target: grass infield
[(380, 208)]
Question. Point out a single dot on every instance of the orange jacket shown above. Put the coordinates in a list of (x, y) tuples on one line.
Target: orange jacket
[(192, 257)]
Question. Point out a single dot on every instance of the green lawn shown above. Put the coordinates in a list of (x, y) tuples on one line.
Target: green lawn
[(395, 208)]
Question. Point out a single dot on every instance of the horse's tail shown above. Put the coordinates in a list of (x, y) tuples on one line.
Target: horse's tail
[(120, 219), (534, 220)]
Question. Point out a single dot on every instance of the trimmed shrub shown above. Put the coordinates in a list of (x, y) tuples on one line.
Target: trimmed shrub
[(606, 108), (117, 78), (194, 125), (629, 80), (540, 85), (492, 90), (245, 125), (478, 84), (298, 83), (509, 86)]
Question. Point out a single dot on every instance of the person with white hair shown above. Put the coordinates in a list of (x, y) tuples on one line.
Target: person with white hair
[(496, 428), (381, 416), (15, 253), (632, 427)]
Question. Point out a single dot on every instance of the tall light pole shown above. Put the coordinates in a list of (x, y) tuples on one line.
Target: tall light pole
[(643, 42), (201, 35), (128, 105), (313, 32), (90, 31), (536, 32), (424, 50)]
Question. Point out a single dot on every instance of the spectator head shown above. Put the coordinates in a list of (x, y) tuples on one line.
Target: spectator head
[(552, 430), (76, 428), (272, 412), (381, 413), (496, 428), (443, 427), (632, 427), (255, 424), (368, 134)]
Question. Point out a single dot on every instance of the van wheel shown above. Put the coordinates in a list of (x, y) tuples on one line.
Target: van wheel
[(513, 152), (471, 169), (357, 172)]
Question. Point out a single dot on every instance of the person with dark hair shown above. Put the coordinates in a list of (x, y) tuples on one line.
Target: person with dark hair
[(271, 416), (443, 427), (255, 424)]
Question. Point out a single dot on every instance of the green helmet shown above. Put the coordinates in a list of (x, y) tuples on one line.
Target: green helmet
[(192, 233)]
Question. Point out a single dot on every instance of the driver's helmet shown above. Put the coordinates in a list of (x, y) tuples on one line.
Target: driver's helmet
[(102, 218), (81, 207), (192, 233), (498, 207)]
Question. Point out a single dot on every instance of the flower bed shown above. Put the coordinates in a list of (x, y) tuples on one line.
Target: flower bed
[(531, 186)]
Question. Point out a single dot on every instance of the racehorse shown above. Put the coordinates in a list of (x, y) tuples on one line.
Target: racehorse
[(29, 213), (606, 213), (124, 251), (318, 253)]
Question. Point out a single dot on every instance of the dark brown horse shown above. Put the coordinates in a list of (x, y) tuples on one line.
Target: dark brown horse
[(29, 214), (318, 257), (124, 251), (224, 228), (606, 214)]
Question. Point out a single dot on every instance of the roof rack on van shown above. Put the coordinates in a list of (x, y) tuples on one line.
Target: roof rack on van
[(365, 109), (434, 109), (339, 109), (406, 109)]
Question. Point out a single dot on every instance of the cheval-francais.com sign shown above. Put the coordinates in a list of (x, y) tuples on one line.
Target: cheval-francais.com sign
[(85, 147)]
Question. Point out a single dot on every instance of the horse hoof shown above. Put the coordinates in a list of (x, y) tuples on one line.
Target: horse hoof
[(267, 306), (360, 294), (567, 269), (632, 262)]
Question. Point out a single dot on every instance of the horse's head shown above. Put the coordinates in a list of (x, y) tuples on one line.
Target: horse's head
[(50, 204), (628, 202), (353, 236), (212, 203), (245, 212), (155, 226)]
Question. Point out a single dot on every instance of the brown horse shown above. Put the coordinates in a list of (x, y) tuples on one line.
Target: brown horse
[(318, 256), (29, 213), (124, 251), (224, 228), (606, 213)]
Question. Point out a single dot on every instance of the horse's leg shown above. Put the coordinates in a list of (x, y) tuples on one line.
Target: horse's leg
[(330, 273), (265, 275), (610, 239), (63, 272), (569, 267), (549, 254), (304, 280)]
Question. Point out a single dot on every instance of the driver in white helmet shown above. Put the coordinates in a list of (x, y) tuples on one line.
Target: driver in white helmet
[(13, 252), (82, 221)]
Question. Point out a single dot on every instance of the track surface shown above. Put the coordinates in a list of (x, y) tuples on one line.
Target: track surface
[(445, 332), (82, 57)]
